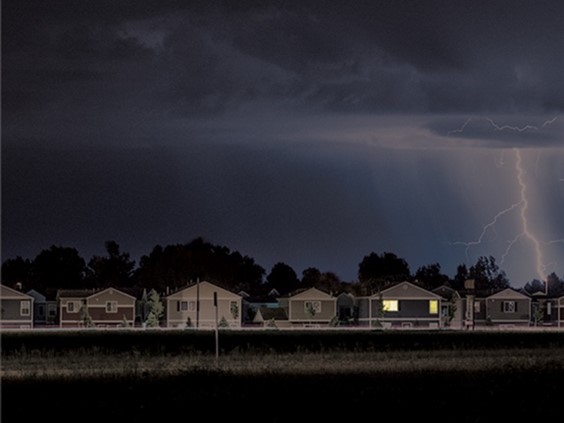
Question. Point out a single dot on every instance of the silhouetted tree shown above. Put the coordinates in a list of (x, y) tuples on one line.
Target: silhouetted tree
[(553, 286), (17, 270), (488, 276), (430, 276), (376, 272), (330, 282), (311, 277), (175, 266), (460, 277), (115, 269), (283, 278), (534, 286), (58, 267)]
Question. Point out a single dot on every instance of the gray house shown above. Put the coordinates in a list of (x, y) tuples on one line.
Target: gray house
[(44, 307), (452, 307), (404, 305), (16, 308), (508, 308)]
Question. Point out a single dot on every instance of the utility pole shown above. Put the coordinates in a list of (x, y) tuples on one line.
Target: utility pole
[(216, 329), (197, 302), (469, 285)]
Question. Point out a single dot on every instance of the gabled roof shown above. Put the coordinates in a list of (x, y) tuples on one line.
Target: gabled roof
[(509, 293), (39, 297), (311, 293), (117, 291), (446, 292), (75, 293), (205, 290), (409, 291), (275, 313), (7, 293)]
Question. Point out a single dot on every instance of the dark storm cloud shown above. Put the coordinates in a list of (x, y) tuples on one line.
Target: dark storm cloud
[(386, 57), (138, 119), (501, 131)]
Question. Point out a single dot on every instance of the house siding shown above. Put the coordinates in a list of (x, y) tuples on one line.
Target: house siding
[(98, 314), (298, 310), (207, 314), (10, 304), (11, 316), (495, 313), (407, 309)]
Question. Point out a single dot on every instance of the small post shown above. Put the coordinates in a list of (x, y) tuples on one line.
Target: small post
[(216, 329), (197, 302)]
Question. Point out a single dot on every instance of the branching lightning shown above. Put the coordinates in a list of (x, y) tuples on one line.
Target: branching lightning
[(540, 267), (522, 205)]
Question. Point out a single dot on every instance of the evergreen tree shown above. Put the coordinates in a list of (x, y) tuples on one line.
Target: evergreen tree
[(156, 310)]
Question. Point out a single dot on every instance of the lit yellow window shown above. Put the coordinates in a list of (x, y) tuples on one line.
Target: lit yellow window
[(433, 306), (390, 305)]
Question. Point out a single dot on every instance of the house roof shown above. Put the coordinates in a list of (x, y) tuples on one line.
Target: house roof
[(509, 293), (446, 292), (205, 290), (13, 294), (407, 290), (276, 313), (76, 293), (112, 290), (311, 293)]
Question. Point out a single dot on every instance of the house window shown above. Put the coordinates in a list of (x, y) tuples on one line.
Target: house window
[(51, 310), (476, 307), (433, 306), (313, 305), (509, 307), (183, 305), (548, 309), (191, 305), (25, 308), (41, 311), (390, 305), (111, 307), (72, 307)]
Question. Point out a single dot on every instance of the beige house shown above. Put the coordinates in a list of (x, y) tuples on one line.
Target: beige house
[(199, 304), (109, 307), (311, 307)]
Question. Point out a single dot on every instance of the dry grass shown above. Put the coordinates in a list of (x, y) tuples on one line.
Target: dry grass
[(86, 363)]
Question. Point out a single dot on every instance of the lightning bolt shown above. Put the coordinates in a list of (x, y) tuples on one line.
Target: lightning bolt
[(540, 267), (522, 204)]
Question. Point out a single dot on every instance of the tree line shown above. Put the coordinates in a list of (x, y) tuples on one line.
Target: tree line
[(170, 267)]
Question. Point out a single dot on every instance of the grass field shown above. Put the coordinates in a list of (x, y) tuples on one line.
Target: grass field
[(275, 377)]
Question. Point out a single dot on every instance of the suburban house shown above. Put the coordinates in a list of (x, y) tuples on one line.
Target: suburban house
[(274, 317), (403, 305), (108, 307), (311, 307), (452, 308), (251, 304), (508, 308), (346, 310), (203, 304), (546, 311), (16, 308), (44, 307)]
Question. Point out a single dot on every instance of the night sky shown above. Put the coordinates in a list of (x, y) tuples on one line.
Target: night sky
[(309, 132)]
